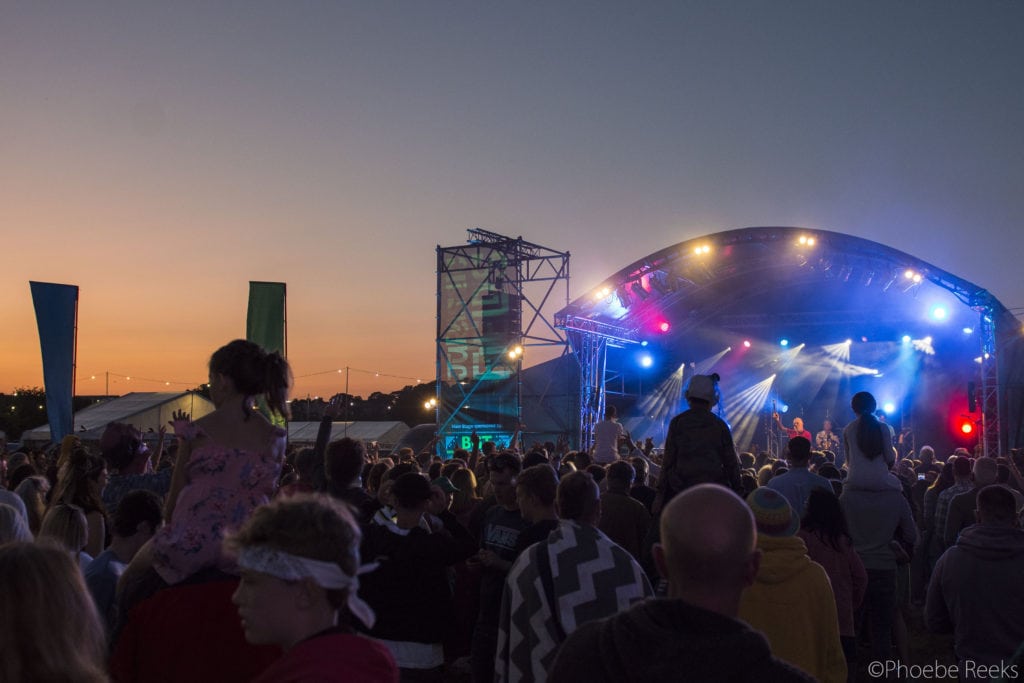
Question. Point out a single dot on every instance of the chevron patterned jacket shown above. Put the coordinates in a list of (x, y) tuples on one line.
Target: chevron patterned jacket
[(591, 578)]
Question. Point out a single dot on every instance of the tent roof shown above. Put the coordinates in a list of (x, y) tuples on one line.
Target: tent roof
[(386, 431), (90, 422)]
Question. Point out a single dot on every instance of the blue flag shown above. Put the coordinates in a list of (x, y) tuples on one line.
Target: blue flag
[(56, 315)]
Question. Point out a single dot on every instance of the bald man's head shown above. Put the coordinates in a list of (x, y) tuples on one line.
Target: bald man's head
[(708, 542)]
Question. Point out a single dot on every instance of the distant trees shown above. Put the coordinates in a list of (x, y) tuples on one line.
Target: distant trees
[(26, 409), (404, 405)]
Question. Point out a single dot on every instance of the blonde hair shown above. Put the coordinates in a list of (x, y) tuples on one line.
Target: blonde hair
[(66, 525), (51, 630), (33, 493)]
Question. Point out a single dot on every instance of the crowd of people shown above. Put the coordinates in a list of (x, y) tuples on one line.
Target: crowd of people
[(229, 556)]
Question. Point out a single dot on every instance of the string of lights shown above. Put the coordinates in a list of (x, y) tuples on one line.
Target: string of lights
[(375, 373), (107, 374), (135, 378)]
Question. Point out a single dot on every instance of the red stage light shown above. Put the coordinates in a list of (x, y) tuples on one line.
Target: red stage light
[(663, 327), (966, 426)]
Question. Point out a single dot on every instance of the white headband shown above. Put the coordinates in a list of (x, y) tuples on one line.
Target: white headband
[(329, 575)]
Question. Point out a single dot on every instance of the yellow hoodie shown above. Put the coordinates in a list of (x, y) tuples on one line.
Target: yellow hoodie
[(791, 602)]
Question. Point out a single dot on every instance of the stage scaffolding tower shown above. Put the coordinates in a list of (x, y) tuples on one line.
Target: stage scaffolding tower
[(492, 296), (590, 340), (990, 432)]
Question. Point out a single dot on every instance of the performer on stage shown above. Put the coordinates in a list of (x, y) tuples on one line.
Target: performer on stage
[(797, 430), (826, 439)]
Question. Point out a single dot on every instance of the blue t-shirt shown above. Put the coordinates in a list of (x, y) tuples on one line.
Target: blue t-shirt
[(101, 577), (796, 486)]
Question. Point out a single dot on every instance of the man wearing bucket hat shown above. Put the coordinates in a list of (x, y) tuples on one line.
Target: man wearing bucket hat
[(699, 448), (791, 600)]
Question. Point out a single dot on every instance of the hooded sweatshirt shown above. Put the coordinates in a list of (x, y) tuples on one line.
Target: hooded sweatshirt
[(975, 591), (667, 639), (791, 602)]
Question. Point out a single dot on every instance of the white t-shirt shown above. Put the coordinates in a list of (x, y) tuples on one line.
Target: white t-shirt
[(606, 441)]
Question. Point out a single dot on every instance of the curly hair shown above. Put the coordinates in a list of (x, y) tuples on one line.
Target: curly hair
[(307, 525)]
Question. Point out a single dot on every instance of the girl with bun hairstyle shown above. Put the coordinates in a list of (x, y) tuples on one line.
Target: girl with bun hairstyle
[(228, 464)]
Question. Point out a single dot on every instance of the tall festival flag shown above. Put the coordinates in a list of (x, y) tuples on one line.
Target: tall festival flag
[(267, 325), (57, 318)]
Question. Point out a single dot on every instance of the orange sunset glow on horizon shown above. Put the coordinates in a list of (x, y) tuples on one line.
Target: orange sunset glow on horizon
[(161, 156)]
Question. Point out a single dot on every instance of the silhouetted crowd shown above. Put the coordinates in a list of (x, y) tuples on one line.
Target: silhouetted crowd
[(221, 554)]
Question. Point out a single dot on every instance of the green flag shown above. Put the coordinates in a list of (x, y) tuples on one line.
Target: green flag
[(266, 324)]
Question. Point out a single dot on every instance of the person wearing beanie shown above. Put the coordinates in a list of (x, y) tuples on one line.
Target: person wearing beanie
[(699, 448), (791, 600)]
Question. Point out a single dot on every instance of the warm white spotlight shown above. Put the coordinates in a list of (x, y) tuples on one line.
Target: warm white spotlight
[(909, 274)]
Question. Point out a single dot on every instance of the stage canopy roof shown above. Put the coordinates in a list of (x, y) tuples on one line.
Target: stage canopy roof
[(800, 319)]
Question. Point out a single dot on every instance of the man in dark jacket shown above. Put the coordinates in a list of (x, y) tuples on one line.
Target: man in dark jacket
[(975, 590), (409, 591), (708, 555)]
